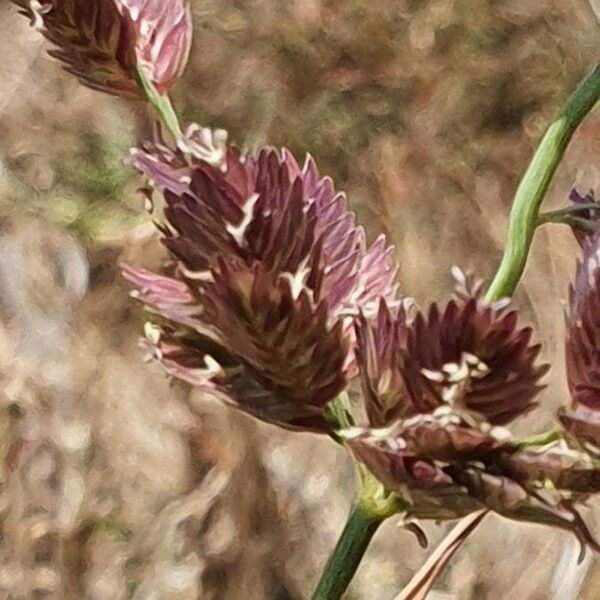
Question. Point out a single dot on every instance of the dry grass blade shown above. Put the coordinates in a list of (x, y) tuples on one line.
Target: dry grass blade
[(424, 578)]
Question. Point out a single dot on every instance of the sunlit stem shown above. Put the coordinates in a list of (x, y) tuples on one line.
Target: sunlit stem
[(531, 191), (373, 508), (161, 105)]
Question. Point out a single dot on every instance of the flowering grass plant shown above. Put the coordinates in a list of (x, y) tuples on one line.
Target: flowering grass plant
[(273, 301)]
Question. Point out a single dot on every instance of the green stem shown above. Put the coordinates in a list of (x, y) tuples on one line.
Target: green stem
[(569, 216), (530, 193), (570, 220), (339, 414), (541, 439), (341, 566), (161, 104), (569, 210)]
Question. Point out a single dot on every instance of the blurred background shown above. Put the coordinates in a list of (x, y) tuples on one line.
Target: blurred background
[(115, 483)]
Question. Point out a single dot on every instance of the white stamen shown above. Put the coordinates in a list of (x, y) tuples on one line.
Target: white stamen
[(213, 368), (152, 332), (205, 275), (238, 232), (298, 279), (206, 144)]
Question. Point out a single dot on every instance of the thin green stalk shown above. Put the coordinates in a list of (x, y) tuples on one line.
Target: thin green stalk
[(161, 104), (569, 216), (530, 193), (374, 507), (354, 541), (339, 413), (541, 439), (570, 220), (550, 216)]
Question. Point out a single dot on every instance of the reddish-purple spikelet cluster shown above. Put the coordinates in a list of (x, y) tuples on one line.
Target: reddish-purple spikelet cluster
[(270, 271), (583, 348), (465, 354), (437, 385), (163, 38), (103, 42)]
